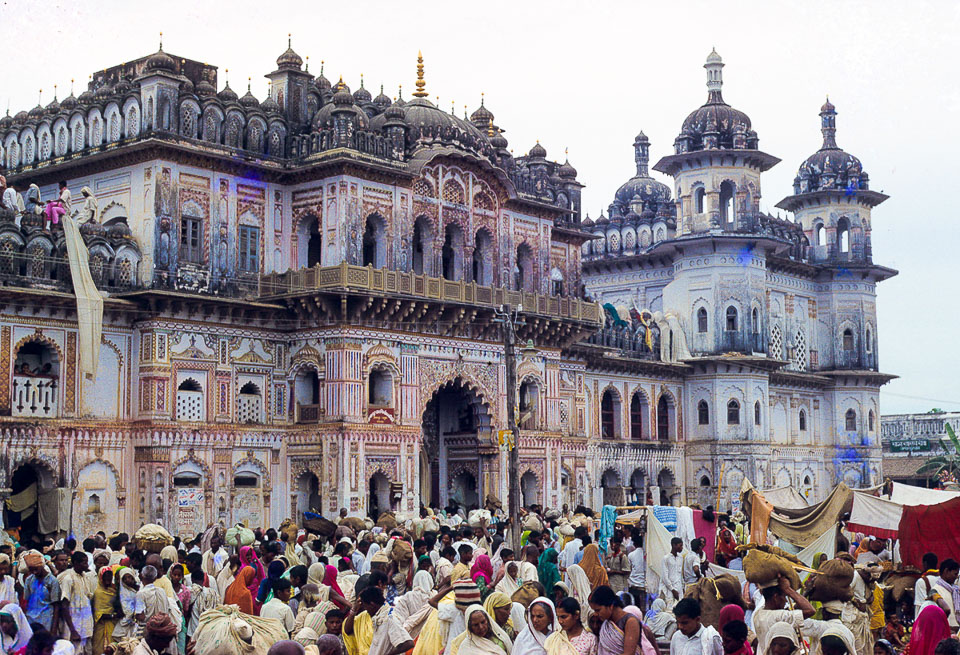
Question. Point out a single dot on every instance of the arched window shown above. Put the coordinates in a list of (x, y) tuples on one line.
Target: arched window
[(733, 412), (249, 404), (664, 416), (699, 200), (609, 414), (868, 341), (821, 234), (727, 200), (704, 481), (756, 413), (703, 413), (380, 388), (452, 255), (422, 260), (483, 258), (638, 407), (850, 420), (755, 321), (190, 404), (802, 420), (523, 273), (701, 320), (732, 321), (848, 340), (529, 405), (374, 243), (843, 235), (871, 421)]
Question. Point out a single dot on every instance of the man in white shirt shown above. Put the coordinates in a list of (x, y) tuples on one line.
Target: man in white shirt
[(278, 607), (947, 586), (569, 553), (774, 610), (694, 562), (445, 564), (692, 637), (671, 574), (926, 588), (637, 582)]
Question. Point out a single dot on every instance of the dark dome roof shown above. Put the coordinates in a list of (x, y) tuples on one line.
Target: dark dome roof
[(70, 102), (715, 119), (227, 94), (382, 101), (289, 59), (361, 94), (270, 105), (53, 107), (104, 92), (342, 102), (6, 121), (830, 167), (205, 88), (650, 191), (538, 152), (36, 112), (420, 113), (186, 86), (567, 170), (123, 86), (248, 99), (161, 61), (86, 97), (21, 117), (499, 141), (482, 117), (320, 81)]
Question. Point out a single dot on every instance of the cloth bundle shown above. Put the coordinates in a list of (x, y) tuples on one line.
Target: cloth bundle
[(355, 523), (763, 564), (477, 517), (830, 582), (152, 537), (714, 594), (227, 631), (387, 521), (526, 594), (246, 536)]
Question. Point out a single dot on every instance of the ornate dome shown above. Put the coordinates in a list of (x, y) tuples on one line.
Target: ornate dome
[(382, 101), (715, 125), (422, 114), (482, 117), (249, 100), (21, 117), (538, 152), (53, 107), (270, 106), (567, 171), (227, 94), (70, 102), (86, 97), (361, 95), (123, 86), (320, 81), (6, 121), (289, 59), (205, 88), (103, 93), (161, 61), (342, 102), (499, 141), (641, 186), (36, 112), (830, 167), (186, 86)]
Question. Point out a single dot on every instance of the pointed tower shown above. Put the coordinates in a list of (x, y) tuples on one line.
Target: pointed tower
[(289, 85)]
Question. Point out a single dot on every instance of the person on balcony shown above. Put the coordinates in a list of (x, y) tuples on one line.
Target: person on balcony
[(88, 212), (57, 208), (33, 204)]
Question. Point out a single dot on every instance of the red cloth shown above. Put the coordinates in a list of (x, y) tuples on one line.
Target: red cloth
[(930, 628), (930, 529), (706, 530)]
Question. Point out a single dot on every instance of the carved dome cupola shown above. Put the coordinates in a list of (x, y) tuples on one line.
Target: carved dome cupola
[(830, 167), (713, 125), (482, 117), (289, 60)]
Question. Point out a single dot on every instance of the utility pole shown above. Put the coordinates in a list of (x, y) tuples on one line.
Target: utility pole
[(505, 317)]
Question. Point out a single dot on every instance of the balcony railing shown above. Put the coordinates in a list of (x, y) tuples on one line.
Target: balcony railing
[(308, 413), (34, 396), (366, 278)]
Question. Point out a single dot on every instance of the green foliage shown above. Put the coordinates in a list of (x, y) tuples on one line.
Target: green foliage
[(949, 461)]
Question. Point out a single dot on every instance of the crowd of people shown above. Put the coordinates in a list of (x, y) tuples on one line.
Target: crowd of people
[(446, 584), (17, 201)]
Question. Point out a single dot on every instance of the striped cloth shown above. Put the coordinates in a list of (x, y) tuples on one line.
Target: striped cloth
[(667, 516)]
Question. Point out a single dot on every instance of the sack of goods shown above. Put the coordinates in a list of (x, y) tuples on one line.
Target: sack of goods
[(526, 594), (402, 552), (430, 525), (763, 564), (318, 525), (387, 521), (830, 582), (713, 594), (152, 537), (246, 536), (901, 582), (227, 631), (289, 528), (566, 530), (478, 517), (531, 522), (355, 523)]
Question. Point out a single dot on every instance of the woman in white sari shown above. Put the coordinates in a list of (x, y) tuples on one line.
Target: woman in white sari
[(660, 621), (15, 629), (541, 623), (509, 583), (482, 637), (580, 588), (413, 608)]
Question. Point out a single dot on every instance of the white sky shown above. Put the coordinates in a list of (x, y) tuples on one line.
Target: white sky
[(589, 76)]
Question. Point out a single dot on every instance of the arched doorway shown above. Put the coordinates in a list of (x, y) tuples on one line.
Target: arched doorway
[(666, 483), (612, 491), (36, 376), (28, 482), (308, 494), (638, 485), (374, 242), (309, 242), (379, 501), (529, 488), (454, 424)]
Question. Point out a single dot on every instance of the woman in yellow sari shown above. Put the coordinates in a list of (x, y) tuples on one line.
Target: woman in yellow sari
[(104, 609)]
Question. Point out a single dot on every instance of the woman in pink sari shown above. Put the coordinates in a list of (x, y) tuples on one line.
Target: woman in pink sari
[(622, 633), (248, 557), (930, 628)]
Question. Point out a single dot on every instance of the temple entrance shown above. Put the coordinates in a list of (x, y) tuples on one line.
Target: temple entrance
[(22, 509), (308, 494), (529, 488), (455, 422), (379, 501)]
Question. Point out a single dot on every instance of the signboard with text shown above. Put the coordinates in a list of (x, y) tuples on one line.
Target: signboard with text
[(910, 445)]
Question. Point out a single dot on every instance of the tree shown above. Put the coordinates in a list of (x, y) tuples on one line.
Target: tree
[(949, 462)]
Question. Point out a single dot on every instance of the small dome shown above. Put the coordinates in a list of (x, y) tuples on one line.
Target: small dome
[(161, 61), (320, 81), (6, 121), (123, 86), (205, 89), (394, 112), (715, 124), (86, 97), (21, 117), (538, 152), (187, 86), (227, 94), (482, 117), (499, 141), (53, 107), (270, 106), (36, 112), (586, 222), (103, 93), (249, 100), (70, 102), (830, 167), (289, 59), (714, 58), (342, 97), (361, 95), (382, 101), (567, 171)]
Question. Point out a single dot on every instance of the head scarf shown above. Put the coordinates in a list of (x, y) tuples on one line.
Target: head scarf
[(785, 630), (423, 581), (729, 613), (24, 632), (547, 570), (238, 593), (531, 641), (248, 557), (495, 601), (315, 573), (63, 647), (579, 584), (633, 610), (170, 553), (103, 596), (509, 583), (286, 647), (482, 567), (330, 579), (470, 644), (819, 559), (659, 619), (161, 625), (885, 645), (593, 567), (372, 550), (930, 628)]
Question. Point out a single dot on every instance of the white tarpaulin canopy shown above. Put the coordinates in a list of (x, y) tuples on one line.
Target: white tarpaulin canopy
[(875, 516), (785, 497), (906, 494)]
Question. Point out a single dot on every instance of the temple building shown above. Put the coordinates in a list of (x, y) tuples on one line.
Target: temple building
[(303, 296)]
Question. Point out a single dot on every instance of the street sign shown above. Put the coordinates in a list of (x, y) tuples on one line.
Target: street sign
[(910, 445)]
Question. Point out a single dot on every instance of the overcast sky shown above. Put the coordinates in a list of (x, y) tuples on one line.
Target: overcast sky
[(589, 76)]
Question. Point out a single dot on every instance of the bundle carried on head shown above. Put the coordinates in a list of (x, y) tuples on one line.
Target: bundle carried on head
[(493, 503), (478, 517), (246, 536), (226, 631), (430, 524), (152, 538), (901, 582), (527, 593), (762, 565), (402, 552), (713, 594), (830, 582), (387, 521), (355, 523), (318, 525), (289, 528), (532, 522), (566, 529)]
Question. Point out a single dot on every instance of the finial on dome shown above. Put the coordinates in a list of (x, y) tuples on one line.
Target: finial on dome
[(489, 125), (71, 86), (248, 84), (161, 41), (308, 63), (714, 68), (321, 68), (54, 91), (421, 91), (289, 40), (828, 125), (227, 76), (361, 80), (641, 154)]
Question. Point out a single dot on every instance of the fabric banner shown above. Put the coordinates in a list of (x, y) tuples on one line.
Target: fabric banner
[(875, 516), (706, 530), (89, 300), (657, 545), (906, 494), (23, 500), (929, 529), (798, 526), (786, 497)]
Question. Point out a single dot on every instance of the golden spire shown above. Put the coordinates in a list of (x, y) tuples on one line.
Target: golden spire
[(161, 41), (421, 91), (490, 127), (54, 91), (308, 63)]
